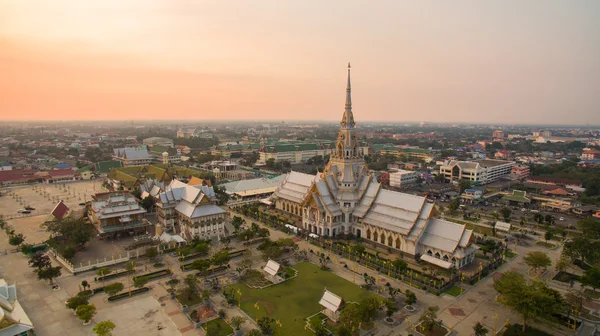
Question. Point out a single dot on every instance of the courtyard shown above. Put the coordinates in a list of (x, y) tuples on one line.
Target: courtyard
[(292, 301), (43, 197)]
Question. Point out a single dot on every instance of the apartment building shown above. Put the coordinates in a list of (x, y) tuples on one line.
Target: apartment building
[(520, 171), (478, 172), (403, 178)]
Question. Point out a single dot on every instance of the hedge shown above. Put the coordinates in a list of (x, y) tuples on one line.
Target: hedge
[(112, 275), (154, 275), (192, 256), (128, 294)]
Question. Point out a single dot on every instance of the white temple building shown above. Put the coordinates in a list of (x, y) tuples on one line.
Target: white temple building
[(346, 199)]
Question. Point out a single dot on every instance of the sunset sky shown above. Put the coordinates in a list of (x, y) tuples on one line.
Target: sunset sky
[(535, 61)]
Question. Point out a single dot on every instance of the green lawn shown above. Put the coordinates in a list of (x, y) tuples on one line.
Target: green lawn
[(454, 291), (509, 254), (292, 301), (220, 325)]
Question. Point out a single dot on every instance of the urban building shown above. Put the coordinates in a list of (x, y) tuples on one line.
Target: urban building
[(158, 141), (131, 156), (13, 318), (407, 153), (403, 178), (346, 199), (478, 172), (590, 154), (116, 214), (189, 210), (520, 171), (61, 176), (498, 136), (157, 154), (502, 154)]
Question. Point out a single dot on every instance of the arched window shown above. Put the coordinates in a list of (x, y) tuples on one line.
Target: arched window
[(437, 255), (453, 261), (398, 243), (369, 234), (445, 258), (390, 240), (382, 239), (429, 252)]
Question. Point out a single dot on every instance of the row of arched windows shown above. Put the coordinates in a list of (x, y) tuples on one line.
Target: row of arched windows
[(383, 239)]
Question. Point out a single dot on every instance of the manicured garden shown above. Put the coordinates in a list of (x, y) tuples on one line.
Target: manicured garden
[(454, 291), (218, 327), (566, 277), (291, 302), (509, 254)]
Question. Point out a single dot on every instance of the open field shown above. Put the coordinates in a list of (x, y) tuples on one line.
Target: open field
[(45, 197), (293, 301)]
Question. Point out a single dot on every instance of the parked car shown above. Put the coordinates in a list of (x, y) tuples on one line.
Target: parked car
[(29, 208), (23, 211), (561, 218)]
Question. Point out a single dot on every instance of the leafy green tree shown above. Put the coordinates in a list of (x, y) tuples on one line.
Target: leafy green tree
[(548, 235), (104, 328), (429, 319), (221, 258), (254, 332), (590, 228), (76, 231), (237, 321), (76, 301), (265, 324), (114, 288), (351, 317), (86, 312), (49, 273), (505, 212), (411, 298), (400, 265), (85, 284), (479, 329), (537, 259), (190, 282), (201, 265), (532, 299), (368, 308), (390, 307), (16, 240), (393, 291), (237, 222), (318, 327), (581, 248), (102, 272), (591, 278), (39, 260)]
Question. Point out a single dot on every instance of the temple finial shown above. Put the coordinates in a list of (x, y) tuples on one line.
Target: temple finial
[(349, 65)]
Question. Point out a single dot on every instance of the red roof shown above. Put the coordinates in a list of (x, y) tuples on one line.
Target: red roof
[(60, 210), (18, 175), (61, 172)]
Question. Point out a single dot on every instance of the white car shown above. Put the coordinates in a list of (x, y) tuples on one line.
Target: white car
[(561, 219)]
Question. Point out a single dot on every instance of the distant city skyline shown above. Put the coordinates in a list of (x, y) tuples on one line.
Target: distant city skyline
[(493, 62)]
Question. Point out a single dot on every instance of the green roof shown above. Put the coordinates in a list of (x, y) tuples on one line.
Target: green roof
[(517, 196), (103, 167)]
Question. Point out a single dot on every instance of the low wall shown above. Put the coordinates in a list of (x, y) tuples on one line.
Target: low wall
[(90, 266)]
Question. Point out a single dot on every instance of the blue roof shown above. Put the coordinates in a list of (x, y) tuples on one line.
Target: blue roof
[(4, 163), (62, 165)]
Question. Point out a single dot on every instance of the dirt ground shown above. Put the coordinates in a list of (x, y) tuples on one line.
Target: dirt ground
[(43, 197)]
